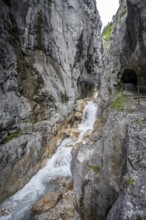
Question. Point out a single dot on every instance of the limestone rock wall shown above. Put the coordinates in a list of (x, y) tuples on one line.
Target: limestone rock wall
[(50, 54), (109, 172), (112, 57), (134, 43), (97, 170), (132, 197), (127, 46)]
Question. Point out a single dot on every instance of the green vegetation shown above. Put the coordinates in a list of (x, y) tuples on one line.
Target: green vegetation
[(25, 120), (128, 182), (64, 97), (96, 169), (106, 33), (121, 1), (81, 201), (118, 104), (51, 98), (120, 12), (11, 136), (140, 121), (141, 218)]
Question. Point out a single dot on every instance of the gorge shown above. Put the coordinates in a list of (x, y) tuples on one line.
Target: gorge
[(54, 63)]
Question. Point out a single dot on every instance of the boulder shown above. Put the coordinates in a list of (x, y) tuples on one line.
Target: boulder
[(87, 134), (78, 115), (80, 105), (48, 201), (72, 132)]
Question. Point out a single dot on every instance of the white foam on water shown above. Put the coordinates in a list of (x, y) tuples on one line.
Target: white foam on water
[(20, 204), (89, 117)]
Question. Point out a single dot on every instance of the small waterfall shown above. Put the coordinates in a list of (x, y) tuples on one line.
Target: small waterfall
[(18, 206), (89, 116)]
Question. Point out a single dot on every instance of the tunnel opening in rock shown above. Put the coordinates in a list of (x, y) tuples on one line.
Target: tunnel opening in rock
[(129, 80)]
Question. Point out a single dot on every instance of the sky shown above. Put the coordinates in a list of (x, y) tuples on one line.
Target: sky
[(107, 8)]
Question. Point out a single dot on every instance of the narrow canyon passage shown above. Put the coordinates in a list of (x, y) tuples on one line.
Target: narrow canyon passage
[(54, 164), (19, 206)]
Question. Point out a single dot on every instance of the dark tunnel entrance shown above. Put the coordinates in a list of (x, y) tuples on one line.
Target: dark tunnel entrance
[(129, 79), (134, 86), (129, 76)]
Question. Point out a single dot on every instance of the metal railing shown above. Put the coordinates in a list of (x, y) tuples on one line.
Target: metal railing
[(138, 92)]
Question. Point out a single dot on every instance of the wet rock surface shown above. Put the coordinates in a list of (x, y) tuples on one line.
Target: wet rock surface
[(16, 163), (48, 201), (58, 204)]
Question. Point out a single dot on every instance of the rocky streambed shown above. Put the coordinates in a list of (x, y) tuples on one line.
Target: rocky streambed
[(49, 195)]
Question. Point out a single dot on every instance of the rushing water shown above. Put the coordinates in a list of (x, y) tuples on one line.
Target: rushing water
[(19, 205)]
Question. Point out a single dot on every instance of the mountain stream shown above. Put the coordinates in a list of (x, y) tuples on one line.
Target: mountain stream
[(18, 206)]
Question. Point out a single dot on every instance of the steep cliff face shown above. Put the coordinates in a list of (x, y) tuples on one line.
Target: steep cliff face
[(112, 56), (98, 168), (109, 173), (50, 55), (127, 47), (134, 43)]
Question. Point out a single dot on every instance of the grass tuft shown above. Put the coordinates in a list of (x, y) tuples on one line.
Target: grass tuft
[(118, 104), (128, 182), (11, 136), (96, 169), (106, 33)]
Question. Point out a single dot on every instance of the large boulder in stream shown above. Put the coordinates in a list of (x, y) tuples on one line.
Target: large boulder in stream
[(58, 204), (73, 133), (79, 107), (48, 201)]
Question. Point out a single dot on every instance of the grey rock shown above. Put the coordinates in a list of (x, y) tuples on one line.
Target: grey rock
[(134, 42), (126, 48), (113, 68), (131, 202), (109, 175), (49, 58), (97, 171), (18, 160)]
